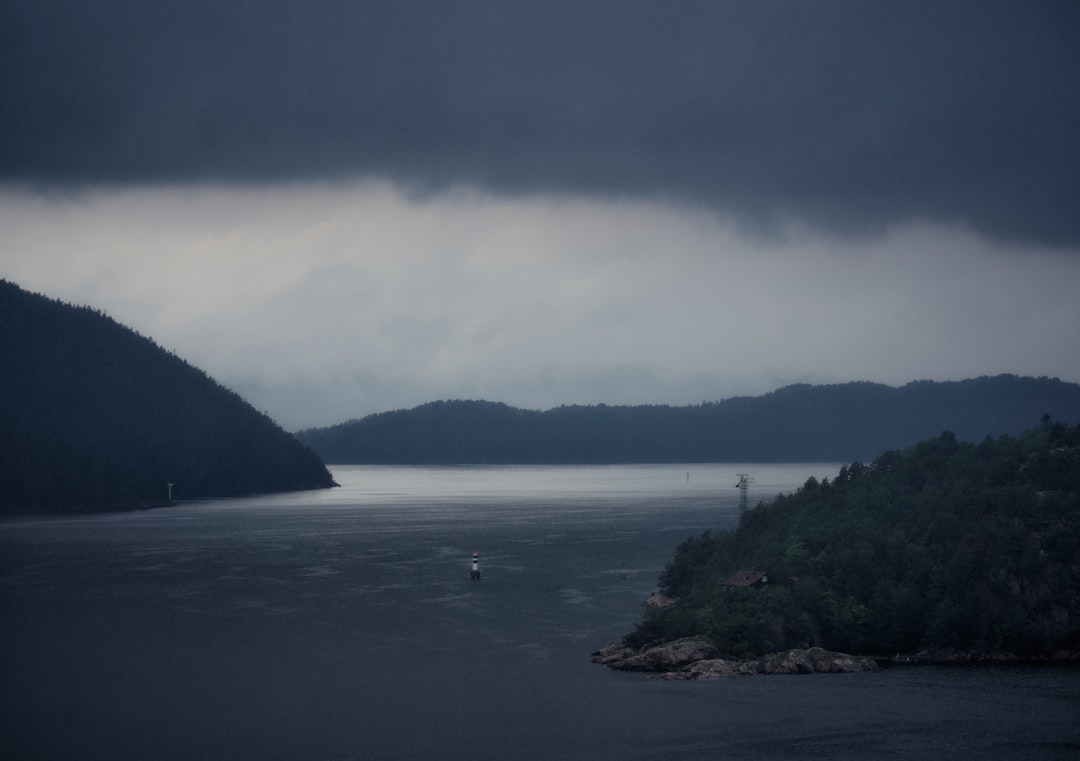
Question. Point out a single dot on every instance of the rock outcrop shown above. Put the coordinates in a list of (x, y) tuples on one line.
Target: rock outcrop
[(815, 660), (697, 658), (670, 656), (656, 601)]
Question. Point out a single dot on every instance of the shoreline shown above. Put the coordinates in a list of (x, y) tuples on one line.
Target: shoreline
[(693, 658), (965, 658), (697, 658)]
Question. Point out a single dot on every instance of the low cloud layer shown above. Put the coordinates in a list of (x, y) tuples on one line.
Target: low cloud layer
[(323, 303), (845, 115), (342, 208)]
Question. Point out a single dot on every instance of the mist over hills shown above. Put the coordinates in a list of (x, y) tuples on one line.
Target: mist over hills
[(95, 416), (836, 423)]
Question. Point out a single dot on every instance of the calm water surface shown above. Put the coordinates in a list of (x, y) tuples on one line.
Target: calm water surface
[(342, 624)]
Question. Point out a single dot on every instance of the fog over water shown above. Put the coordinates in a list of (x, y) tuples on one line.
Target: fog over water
[(342, 624)]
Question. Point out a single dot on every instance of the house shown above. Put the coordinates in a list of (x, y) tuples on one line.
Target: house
[(747, 578)]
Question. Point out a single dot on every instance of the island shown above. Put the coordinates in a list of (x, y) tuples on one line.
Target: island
[(943, 552)]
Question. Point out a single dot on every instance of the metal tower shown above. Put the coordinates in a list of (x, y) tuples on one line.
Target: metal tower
[(745, 479)]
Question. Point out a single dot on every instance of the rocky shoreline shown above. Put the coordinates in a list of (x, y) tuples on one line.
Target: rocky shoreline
[(697, 658), (965, 657)]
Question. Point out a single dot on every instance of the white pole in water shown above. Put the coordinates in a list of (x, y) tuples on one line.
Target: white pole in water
[(170, 490), (475, 566)]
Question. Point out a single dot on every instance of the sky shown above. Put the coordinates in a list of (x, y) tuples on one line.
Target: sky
[(338, 209)]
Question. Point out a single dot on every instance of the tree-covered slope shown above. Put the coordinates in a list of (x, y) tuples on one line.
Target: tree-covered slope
[(839, 423), (93, 415), (944, 546)]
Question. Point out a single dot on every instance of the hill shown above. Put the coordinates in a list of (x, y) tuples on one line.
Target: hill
[(948, 547), (837, 423), (93, 415)]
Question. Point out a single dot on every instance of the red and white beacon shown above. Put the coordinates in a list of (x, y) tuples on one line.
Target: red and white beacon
[(475, 575)]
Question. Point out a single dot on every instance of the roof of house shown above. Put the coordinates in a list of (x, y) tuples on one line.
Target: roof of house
[(746, 578)]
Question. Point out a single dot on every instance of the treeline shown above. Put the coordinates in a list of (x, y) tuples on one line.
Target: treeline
[(946, 547), (93, 415), (844, 422)]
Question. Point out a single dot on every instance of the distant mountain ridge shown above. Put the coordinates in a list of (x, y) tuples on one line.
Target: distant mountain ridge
[(834, 423), (95, 416)]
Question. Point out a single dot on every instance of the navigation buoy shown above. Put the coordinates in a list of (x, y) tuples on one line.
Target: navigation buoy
[(475, 575)]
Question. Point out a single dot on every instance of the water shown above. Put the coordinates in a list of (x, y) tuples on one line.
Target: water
[(343, 625)]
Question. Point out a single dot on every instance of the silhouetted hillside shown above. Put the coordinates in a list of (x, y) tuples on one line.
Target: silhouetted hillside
[(93, 415), (850, 421)]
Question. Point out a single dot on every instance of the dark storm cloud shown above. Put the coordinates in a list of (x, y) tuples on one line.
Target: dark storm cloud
[(846, 114)]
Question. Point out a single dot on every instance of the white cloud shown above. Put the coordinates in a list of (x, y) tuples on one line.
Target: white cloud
[(320, 303)]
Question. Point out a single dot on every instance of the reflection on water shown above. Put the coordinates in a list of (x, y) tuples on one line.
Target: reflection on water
[(343, 624)]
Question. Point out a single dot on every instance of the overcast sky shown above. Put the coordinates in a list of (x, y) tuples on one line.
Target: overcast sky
[(342, 208)]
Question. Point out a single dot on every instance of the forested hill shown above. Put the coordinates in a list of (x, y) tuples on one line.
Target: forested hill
[(947, 546), (839, 423), (93, 415)]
